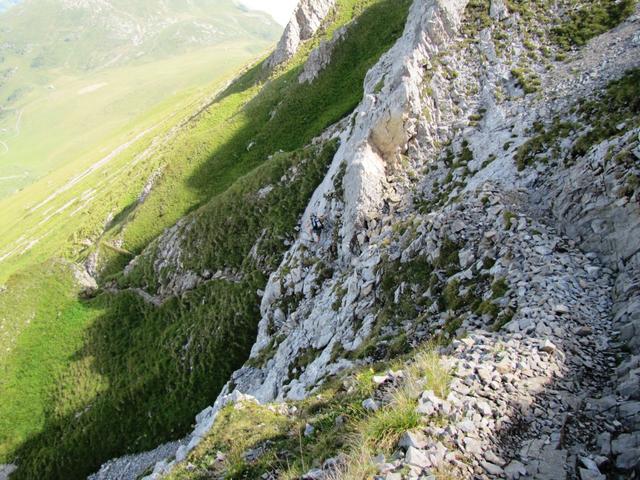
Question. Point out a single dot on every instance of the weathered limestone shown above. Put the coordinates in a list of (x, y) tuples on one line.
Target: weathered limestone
[(6, 471), (305, 21), (320, 57)]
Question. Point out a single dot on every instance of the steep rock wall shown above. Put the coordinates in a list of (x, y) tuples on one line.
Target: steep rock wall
[(305, 22), (383, 126)]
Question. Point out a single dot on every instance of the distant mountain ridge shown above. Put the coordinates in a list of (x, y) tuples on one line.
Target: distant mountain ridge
[(64, 49)]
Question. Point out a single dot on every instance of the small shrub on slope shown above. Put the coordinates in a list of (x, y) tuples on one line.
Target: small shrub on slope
[(591, 19)]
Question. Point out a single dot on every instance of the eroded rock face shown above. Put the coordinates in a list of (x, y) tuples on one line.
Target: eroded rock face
[(320, 57), (304, 23), (382, 128), (386, 121)]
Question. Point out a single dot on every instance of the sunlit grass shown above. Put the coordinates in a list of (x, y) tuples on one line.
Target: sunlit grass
[(141, 373), (357, 439)]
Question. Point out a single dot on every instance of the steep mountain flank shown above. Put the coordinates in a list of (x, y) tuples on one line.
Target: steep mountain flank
[(106, 71), (160, 338), (412, 253), (92, 34), (483, 198)]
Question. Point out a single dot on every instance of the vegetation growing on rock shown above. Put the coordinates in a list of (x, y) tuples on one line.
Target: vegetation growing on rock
[(446, 221), (591, 19), (286, 440)]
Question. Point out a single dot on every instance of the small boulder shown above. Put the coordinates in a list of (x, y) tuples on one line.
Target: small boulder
[(586, 474), (498, 10), (548, 347), (412, 439), (584, 331), (308, 430), (370, 405), (561, 309), (493, 458), (515, 470), (491, 468), (417, 458), (315, 474), (628, 460)]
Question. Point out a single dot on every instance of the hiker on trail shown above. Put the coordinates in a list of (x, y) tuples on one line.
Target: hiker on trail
[(316, 227)]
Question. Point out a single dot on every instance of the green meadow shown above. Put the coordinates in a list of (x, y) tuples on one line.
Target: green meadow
[(52, 208), (68, 124), (87, 379), (76, 76)]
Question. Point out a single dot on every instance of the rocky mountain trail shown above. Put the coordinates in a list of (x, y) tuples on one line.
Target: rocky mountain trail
[(186, 283), (530, 375)]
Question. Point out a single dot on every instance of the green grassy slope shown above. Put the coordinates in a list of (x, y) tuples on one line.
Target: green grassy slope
[(360, 435), (46, 294), (73, 78), (141, 371), (217, 150), (56, 214), (71, 120), (138, 374), (91, 35)]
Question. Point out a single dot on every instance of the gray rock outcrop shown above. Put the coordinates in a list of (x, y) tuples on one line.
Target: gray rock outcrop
[(305, 22), (321, 56), (6, 471)]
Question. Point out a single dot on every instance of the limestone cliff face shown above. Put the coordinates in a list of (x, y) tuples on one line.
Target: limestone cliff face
[(382, 128), (304, 23), (448, 160)]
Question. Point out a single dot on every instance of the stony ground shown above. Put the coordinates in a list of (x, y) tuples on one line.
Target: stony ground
[(521, 404)]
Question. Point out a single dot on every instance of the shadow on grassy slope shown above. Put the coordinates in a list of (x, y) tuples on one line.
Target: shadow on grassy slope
[(238, 133), (159, 366), (144, 372), (287, 115)]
